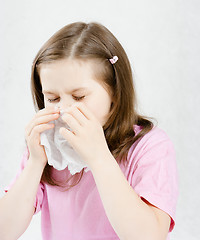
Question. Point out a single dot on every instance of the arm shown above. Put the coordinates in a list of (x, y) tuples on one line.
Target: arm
[(17, 206), (130, 217)]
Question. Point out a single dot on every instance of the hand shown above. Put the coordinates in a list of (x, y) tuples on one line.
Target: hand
[(86, 136), (37, 125)]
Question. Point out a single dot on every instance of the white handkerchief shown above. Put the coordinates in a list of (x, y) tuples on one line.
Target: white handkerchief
[(59, 153)]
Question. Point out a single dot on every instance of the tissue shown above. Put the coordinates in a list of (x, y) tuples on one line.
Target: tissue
[(59, 153)]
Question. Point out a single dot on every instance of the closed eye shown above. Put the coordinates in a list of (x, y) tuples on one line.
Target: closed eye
[(78, 98), (56, 99), (53, 100)]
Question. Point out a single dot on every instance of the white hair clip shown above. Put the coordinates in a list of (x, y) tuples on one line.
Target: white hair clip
[(114, 59)]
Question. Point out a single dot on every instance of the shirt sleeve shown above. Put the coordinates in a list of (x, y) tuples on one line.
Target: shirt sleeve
[(40, 192), (153, 172)]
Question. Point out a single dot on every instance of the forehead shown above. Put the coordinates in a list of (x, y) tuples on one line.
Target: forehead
[(69, 73), (66, 66)]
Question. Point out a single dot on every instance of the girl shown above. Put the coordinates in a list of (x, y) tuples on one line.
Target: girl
[(130, 191)]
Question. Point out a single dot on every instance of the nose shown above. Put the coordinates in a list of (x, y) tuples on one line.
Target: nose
[(65, 103)]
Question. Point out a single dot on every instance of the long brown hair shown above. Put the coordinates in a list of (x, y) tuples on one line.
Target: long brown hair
[(95, 42)]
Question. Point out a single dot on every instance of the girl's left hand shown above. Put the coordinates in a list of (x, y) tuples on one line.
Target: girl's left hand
[(87, 136)]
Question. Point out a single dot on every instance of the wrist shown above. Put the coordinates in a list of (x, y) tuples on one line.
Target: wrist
[(35, 164), (102, 162)]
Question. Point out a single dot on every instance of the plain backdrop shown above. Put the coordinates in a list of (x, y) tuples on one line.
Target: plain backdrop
[(161, 39)]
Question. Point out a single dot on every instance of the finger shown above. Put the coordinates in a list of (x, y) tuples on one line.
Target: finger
[(71, 122), (43, 112), (68, 135), (46, 111), (40, 120), (77, 114), (39, 129), (46, 118), (85, 111)]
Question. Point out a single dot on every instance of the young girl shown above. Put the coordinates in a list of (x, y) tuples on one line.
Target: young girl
[(130, 190)]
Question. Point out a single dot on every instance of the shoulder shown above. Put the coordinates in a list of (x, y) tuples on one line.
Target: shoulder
[(156, 134), (155, 145)]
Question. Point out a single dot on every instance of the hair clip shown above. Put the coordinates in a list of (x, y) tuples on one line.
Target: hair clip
[(113, 60)]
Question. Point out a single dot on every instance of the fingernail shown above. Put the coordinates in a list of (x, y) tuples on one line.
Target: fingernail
[(62, 111)]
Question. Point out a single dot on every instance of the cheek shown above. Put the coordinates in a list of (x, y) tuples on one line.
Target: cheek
[(100, 109), (47, 104)]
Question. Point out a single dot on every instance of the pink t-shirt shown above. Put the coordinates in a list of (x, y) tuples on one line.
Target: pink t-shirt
[(78, 214)]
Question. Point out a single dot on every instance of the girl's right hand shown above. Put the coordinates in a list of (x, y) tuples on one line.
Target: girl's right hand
[(37, 125)]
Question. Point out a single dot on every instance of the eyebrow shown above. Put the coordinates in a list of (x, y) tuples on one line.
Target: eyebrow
[(73, 91)]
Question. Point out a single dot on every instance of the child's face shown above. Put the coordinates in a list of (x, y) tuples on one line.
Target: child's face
[(66, 82)]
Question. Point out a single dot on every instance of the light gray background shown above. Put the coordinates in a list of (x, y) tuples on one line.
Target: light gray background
[(161, 38)]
